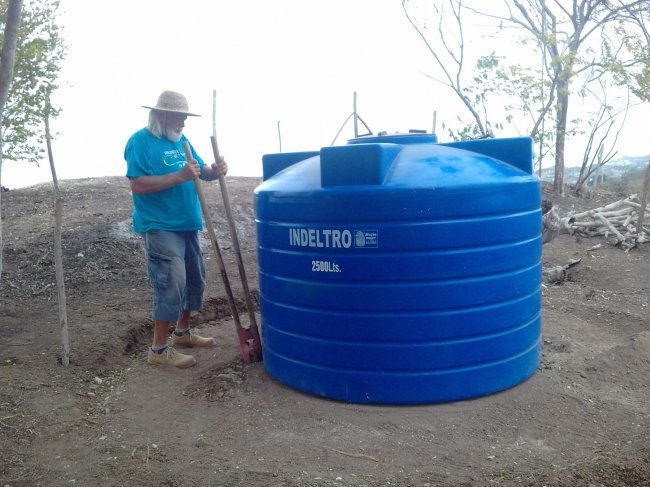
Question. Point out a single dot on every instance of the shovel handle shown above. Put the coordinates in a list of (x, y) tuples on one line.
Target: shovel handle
[(235, 239), (249, 338), (213, 239)]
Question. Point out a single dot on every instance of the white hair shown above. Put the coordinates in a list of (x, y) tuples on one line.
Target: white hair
[(156, 123)]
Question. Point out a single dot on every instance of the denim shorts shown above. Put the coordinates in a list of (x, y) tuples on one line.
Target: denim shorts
[(176, 273)]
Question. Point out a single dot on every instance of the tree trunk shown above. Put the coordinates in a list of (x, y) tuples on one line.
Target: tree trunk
[(60, 281), (7, 58), (560, 133), (644, 199)]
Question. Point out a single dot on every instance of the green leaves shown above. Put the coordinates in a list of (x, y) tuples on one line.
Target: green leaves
[(39, 54)]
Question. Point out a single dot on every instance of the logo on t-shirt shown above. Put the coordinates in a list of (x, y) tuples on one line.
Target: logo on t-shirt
[(173, 158)]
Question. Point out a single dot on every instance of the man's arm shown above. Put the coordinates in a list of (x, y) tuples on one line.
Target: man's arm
[(153, 184), (213, 172)]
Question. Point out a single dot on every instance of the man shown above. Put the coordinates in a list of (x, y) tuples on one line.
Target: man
[(167, 213)]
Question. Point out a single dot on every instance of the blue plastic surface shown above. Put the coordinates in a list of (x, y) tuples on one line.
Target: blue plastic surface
[(401, 272), (410, 138)]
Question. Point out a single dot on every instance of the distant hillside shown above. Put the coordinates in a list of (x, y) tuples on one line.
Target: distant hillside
[(614, 170)]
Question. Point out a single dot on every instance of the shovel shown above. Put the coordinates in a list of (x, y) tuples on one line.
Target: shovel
[(249, 340)]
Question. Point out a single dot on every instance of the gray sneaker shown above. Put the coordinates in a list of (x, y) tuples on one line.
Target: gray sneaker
[(171, 357)]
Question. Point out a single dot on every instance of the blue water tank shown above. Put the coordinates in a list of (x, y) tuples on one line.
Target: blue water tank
[(397, 270)]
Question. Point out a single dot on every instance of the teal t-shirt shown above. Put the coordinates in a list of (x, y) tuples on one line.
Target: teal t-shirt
[(176, 209)]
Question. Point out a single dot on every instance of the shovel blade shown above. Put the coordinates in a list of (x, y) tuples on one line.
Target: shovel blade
[(249, 342)]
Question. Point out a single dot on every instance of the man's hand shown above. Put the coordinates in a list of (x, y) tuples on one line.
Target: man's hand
[(191, 170), (220, 167), (153, 184), (216, 170)]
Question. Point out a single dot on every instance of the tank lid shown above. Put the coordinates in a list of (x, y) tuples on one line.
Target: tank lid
[(412, 137), (366, 164)]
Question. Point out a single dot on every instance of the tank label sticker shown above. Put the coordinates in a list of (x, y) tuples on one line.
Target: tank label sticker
[(366, 238), (333, 238)]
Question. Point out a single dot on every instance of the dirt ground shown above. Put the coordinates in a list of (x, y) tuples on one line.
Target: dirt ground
[(108, 419)]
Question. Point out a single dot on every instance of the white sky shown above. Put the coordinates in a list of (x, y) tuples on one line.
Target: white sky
[(293, 61)]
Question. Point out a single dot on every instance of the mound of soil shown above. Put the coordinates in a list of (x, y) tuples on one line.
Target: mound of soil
[(109, 419)]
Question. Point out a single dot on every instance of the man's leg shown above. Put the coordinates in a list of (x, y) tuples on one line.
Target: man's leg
[(160, 332), (184, 323), (193, 295), (166, 272)]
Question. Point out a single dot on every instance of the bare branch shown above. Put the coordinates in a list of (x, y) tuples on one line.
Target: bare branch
[(457, 55)]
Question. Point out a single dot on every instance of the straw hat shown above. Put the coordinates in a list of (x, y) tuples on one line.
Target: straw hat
[(172, 101)]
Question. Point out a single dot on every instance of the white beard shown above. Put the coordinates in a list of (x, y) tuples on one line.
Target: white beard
[(173, 135)]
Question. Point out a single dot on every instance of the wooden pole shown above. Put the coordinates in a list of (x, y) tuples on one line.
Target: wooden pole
[(231, 221), (58, 252), (644, 200), (60, 282), (356, 119), (235, 240), (213, 240)]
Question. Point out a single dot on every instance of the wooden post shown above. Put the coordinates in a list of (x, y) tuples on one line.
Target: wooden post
[(644, 200), (58, 252), (356, 118)]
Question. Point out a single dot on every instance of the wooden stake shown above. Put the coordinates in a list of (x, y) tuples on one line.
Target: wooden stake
[(644, 200), (58, 252)]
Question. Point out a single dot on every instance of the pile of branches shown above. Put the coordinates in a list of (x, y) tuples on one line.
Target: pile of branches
[(616, 222)]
